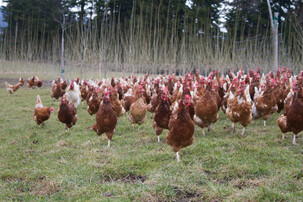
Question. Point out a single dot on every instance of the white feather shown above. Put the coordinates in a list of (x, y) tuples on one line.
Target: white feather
[(74, 94), (247, 95)]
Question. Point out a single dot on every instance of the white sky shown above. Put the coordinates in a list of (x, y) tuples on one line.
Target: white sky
[(2, 4)]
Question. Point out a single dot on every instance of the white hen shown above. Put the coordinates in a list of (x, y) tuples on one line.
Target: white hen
[(73, 93)]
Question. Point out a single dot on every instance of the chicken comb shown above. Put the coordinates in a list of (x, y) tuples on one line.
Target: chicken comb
[(188, 97), (63, 98), (164, 95), (186, 101)]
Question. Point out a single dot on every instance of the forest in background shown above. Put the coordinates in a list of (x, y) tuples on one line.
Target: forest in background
[(157, 36)]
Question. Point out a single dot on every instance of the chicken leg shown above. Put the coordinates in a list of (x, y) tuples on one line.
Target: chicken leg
[(178, 157), (283, 136), (264, 123), (209, 128), (243, 131), (158, 138), (66, 128), (108, 143), (294, 140), (233, 127), (203, 130)]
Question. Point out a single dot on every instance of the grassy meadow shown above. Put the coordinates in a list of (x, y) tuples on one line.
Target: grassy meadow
[(48, 163)]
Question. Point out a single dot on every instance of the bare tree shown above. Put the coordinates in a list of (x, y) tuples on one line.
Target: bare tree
[(64, 20)]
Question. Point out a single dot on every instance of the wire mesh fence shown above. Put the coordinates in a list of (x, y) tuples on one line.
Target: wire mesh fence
[(249, 53)]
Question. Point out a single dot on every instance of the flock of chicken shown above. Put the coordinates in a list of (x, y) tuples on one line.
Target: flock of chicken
[(32, 82), (178, 103)]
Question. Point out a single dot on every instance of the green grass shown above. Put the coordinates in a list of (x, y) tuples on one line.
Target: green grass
[(47, 163)]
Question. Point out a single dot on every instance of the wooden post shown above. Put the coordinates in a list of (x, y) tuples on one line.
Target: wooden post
[(62, 51), (270, 16), (276, 40), (274, 28)]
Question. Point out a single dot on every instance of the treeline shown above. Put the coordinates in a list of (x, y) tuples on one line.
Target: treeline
[(132, 33)]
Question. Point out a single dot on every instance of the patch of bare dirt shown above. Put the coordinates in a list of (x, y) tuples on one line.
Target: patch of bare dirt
[(184, 195), (61, 143), (45, 187), (243, 184), (39, 186), (11, 178), (132, 178)]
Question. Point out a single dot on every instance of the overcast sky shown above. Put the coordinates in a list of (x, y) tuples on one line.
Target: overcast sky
[(1, 3)]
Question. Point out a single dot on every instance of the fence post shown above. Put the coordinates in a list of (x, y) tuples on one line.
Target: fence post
[(274, 28), (276, 56)]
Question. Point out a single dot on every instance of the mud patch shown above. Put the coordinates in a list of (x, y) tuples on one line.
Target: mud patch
[(129, 178), (8, 178), (299, 175), (132, 178), (184, 195), (208, 172)]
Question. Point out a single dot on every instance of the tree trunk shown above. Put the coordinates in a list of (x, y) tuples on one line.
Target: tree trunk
[(62, 50)]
